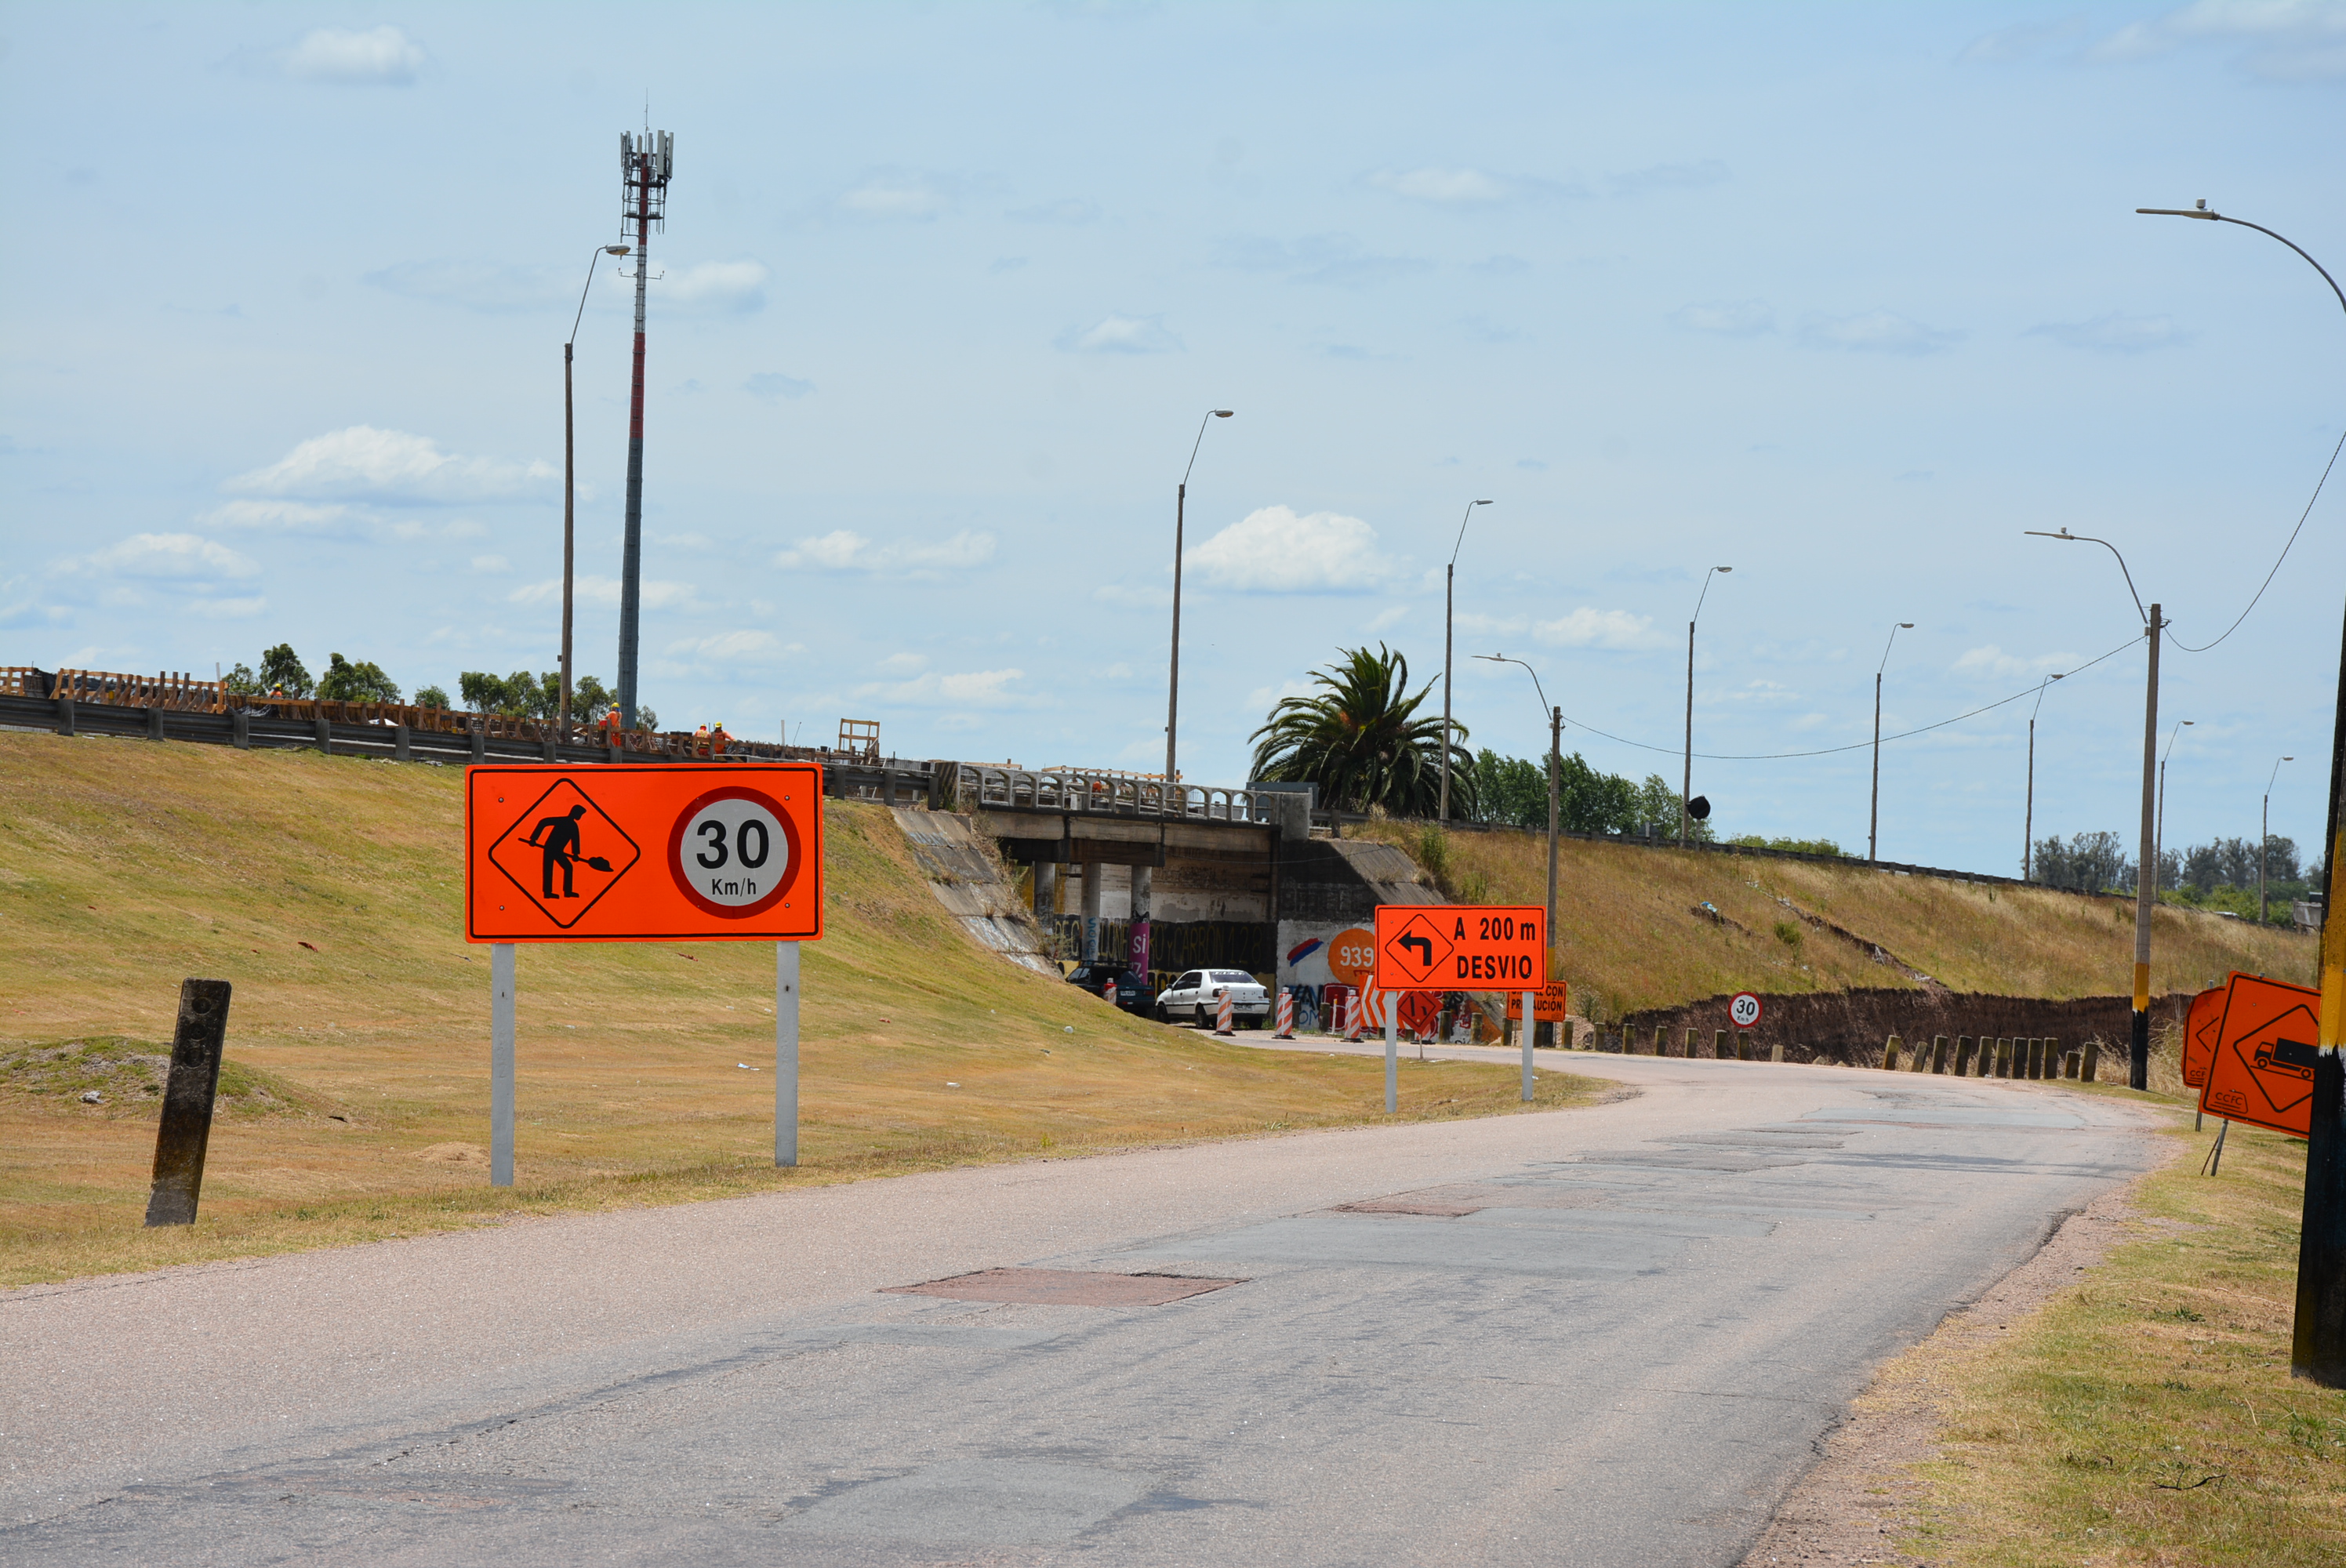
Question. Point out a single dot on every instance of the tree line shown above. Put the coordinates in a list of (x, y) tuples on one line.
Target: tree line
[(2220, 874), (520, 695)]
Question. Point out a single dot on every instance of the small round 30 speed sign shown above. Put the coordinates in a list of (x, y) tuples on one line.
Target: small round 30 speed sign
[(1744, 1010), (734, 853)]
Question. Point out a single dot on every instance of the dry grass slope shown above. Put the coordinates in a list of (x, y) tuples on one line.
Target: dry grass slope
[(1631, 932), (327, 891)]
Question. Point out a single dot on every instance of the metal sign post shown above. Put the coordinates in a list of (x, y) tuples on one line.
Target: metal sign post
[(1393, 1053), (786, 1053), (661, 852), (1531, 1006)]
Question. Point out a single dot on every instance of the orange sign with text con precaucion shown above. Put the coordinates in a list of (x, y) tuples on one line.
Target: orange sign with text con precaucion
[(2262, 1069), (1460, 947), (656, 852), (1550, 1003)]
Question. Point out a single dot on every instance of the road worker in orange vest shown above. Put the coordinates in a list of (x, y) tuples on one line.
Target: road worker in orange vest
[(718, 740), (700, 741)]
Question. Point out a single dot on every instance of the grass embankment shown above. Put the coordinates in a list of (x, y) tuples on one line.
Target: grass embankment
[(2147, 1415), (1632, 937), (356, 1085)]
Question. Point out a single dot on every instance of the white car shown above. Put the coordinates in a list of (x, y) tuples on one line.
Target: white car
[(1197, 997)]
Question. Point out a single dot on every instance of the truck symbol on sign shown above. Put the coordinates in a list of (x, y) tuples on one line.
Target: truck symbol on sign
[(2286, 1056)]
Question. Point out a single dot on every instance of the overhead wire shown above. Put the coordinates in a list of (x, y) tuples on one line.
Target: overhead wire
[(2285, 549), (1856, 746)]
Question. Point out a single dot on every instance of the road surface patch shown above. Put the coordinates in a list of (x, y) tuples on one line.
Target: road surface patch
[(1065, 1288)]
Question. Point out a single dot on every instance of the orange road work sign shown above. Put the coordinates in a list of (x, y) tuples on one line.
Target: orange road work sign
[(1460, 947), (2262, 1069), (1547, 1002), (2200, 1027), (659, 852)]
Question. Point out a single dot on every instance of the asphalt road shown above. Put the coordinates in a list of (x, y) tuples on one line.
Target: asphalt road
[(1595, 1337)]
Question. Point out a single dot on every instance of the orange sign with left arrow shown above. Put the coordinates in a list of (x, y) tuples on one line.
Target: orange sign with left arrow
[(1460, 947), (660, 852)]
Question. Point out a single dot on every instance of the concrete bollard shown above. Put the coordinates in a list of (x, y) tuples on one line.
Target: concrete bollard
[(2036, 1058), (1963, 1055), (2051, 1058), (65, 716), (1691, 1036), (2068, 1064), (2093, 1059), (1890, 1055), (1776, 1052), (1661, 1041), (2002, 1058), (155, 724), (1743, 1045), (239, 730), (326, 736), (399, 743), (186, 1128), (1719, 1045), (1939, 1055)]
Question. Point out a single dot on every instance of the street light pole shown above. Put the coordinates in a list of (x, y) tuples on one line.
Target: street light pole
[(2158, 839), (570, 483), (1873, 815), (2146, 880), (2318, 1341), (1173, 673), (1449, 580), (1555, 777), (2028, 818), (2264, 838), (1685, 782)]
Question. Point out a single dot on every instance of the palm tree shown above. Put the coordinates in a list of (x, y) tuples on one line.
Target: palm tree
[(1360, 740)]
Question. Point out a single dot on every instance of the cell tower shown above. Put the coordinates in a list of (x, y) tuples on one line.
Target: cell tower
[(646, 162)]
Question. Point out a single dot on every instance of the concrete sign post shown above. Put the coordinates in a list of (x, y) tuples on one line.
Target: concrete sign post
[(1393, 1053), (1531, 1006), (657, 853)]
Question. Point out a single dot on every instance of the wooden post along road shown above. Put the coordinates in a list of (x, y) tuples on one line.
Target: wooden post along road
[(557, 854)]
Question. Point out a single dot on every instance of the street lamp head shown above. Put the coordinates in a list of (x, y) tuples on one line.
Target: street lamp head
[(1722, 568), (1482, 503), (2196, 210), (1905, 626), (1224, 413), (617, 250)]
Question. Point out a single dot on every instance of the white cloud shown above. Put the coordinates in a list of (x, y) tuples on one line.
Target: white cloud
[(1733, 319), (1122, 335), (1272, 550), (491, 564), (2112, 334), (384, 55), (657, 596), (2283, 40), (1586, 628), (844, 550), (1993, 661), (495, 288), (391, 465), (226, 609), (901, 664), (1490, 625), (717, 287), (1388, 618), (894, 195), (1443, 186), (972, 689), (1876, 332), (283, 517), (164, 556), (460, 528), (733, 648), (771, 384)]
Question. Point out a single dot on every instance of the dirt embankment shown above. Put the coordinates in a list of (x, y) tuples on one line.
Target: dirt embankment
[(1852, 1026)]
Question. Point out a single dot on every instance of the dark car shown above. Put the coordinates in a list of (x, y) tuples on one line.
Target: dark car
[(1132, 991)]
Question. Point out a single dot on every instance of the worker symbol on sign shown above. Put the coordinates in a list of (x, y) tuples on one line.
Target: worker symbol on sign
[(559, 838), (1417, 949), (544, 852)]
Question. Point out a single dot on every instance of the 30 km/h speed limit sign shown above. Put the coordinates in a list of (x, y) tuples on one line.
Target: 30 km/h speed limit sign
[(1744, 1010)]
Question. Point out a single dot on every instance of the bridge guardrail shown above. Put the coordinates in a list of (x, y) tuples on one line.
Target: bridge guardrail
[(1101, 793)]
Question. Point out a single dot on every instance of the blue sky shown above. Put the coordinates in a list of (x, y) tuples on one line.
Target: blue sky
[(1845, 297)]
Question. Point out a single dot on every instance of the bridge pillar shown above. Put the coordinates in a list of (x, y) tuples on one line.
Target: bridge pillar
[(1093, 877), (1144, 882), (1046, 890)]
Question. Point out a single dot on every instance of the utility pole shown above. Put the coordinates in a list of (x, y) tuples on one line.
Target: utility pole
[(2146, 880), (2028, 819), (1685, 784), (646, 161), (1554, 778), (1873, 813), (1449, 582)]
